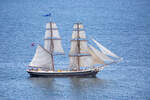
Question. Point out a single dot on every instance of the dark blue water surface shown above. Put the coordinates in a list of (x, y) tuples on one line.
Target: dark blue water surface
[(123, 26)]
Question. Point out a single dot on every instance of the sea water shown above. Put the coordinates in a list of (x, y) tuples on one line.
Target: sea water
[(123, 26)]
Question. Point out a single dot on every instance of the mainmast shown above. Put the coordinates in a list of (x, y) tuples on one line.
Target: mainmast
[(79, 55), (51, 46), (52, 42), (78, 44)]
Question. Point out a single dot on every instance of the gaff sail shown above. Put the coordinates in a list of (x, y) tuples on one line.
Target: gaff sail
[(42, 58)]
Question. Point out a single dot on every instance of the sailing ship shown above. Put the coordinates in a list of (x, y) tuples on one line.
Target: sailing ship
[(85, 59)]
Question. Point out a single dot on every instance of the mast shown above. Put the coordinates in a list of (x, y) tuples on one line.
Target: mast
[(78, 43), (52, 42), (52, 47), (79, 55)]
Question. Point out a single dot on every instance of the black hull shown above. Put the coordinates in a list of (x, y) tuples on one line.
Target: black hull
[(91, 73)]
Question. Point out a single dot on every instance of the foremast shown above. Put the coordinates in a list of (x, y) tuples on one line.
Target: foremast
[(44, 56), (79, 55), (52, 42)]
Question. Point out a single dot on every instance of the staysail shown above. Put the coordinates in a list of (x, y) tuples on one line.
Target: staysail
[(95, 58), (100, 55), (52, 39), (42, 58), (105, 50), (79, 54)]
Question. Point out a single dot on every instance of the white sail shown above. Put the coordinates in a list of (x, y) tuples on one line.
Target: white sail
[(81, 34), (84, 61), (73, 62), (41, 58), (74, 48), (100, 54), (55, 34), (78, 26), (105, 50), (57, 47), (51, 25), (95, 58), (83, 47), (52, 39)]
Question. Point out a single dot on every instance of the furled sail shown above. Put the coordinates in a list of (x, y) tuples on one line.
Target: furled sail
[(52, 39), (79, 54), (42, 58), (105, 50)]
